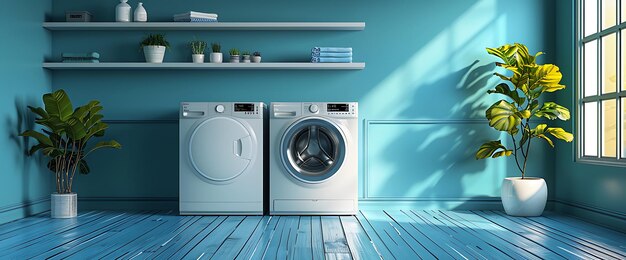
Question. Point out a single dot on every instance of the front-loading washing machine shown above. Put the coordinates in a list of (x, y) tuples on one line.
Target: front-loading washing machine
[(313, 158), (221, 158)]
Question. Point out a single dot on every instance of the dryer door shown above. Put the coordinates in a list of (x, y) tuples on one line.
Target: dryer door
[(313, 149), (221, 148)]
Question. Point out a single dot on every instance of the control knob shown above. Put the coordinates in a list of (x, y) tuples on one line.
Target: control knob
[(314, 108), (219, 108)]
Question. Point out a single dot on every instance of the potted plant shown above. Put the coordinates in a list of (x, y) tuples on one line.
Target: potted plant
[(256, 57), (523, 90), (197, 51), (154, 48), (65, 139), (234, 55), (216, 55), (246, 56)]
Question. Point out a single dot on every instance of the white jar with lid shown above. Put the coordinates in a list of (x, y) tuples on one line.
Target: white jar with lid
[(122, 12), (140, 13)]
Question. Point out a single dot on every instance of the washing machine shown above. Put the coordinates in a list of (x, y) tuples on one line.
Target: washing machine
[(313, 158), (221, 158)]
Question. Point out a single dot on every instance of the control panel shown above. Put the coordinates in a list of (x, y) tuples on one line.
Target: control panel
[(235, 109), (334, 109)]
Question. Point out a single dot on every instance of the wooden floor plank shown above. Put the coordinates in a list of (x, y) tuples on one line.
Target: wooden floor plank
[(391, 236), (335, 242), (257, 243), (557, 246), (590, 248), (236, 241), (302, 247), (317, 243), (418, 232), (381, 248), (288, 237), (271, 250), (617, 237), (25, 222), (505, 243), (360, 244), (206, 247), (152, 245), (185, 241)]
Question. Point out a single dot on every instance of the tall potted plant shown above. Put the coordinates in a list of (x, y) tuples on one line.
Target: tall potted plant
[(65, 139), (154, 47), (523, 90)]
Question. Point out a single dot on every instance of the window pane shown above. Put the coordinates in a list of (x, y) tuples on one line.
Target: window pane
[(609, 63), (623, 126), (622, 48), (590, 130), (609, 13), (590, 17), (591, 68), (623, 11), (609, 128)]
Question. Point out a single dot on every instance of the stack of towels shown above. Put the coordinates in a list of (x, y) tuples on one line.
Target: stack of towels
[(195, 17), (93, 57), (331, 54)]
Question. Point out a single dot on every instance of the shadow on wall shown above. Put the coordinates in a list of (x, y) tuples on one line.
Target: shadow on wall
[(23, 121)]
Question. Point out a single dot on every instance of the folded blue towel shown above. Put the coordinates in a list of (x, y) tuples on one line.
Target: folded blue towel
[(332, 54), (197, 20), (80, 61), (92, 55), (330, 49), (331, 60)]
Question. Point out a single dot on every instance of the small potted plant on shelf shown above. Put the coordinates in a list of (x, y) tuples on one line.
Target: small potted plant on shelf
[(65, 138), (525, 196), (154, 47), (246, 56), (234, 55), (216, 55), (197, 50), (256, 57)]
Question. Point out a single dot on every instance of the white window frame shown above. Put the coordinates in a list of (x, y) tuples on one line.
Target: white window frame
[(580, 99)]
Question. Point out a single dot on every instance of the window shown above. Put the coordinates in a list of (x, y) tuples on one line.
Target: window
[(601, 92)]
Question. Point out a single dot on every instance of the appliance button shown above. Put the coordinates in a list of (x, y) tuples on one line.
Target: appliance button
[(219, 108), (314, 108)]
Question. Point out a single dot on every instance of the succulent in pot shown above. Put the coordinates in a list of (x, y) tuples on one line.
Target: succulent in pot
[(66, 139), (234, 55), (216, 54), (154, 47), (256, 57), (197, 51), (523, 89), (246, 56)]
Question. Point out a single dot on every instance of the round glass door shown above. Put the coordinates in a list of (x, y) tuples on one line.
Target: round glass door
[(220, 149), (313, 149)]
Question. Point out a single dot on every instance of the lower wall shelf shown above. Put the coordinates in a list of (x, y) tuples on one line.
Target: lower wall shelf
[(204, 66)]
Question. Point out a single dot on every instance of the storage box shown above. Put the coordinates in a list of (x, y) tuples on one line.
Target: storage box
[(77, 16)]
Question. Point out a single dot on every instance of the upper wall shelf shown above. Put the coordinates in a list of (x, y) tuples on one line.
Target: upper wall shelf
[(204, 66), (182, 26)]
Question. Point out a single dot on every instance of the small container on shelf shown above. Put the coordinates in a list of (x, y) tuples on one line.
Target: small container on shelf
[(122, 12), (78, 16)]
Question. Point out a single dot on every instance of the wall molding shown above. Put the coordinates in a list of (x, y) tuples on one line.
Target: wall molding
[(604, 217), (24, 209), (140, 121), (127, 203)]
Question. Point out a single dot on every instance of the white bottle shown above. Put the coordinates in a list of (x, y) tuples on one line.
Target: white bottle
[(122, 12), (140, 13)]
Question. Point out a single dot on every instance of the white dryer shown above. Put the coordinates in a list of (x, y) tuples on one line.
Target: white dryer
[(313, 158), (221, 158)]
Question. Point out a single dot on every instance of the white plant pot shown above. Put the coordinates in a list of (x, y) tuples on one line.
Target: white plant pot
[(154, 54), (234, 58), (63, 205), (197, 58), (216, 57), (524, 197), (246, 58), (256, 59)]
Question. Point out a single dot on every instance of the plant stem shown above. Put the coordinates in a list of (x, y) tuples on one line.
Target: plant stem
[(515, 152)]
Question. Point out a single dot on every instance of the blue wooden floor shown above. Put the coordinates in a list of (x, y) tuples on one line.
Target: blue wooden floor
[(390, 234)]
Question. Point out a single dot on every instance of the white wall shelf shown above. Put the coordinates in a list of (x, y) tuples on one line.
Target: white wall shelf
[(184, 26), (204, 66)]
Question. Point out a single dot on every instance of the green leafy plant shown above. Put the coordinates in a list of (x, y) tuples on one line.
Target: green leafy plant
[(216, 47), (155, 40), (245, 53), (523, 90), (234, 51), (197, 47), (256, 53), (66, 135)]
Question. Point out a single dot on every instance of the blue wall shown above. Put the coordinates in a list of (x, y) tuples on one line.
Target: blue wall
[(594, 192), (25, 185), (422, 94)]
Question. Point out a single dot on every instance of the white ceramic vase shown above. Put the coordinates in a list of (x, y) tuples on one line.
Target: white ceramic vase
[(197, 58), (140, 13), (122, 12), (63, 205), (524, 197), (234, 58), (216, 57), (246, 58), (256, 59), (154, 54)]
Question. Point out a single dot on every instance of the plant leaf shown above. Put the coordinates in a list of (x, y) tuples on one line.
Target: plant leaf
[(502, 116), (43, 139), (560, 134), (547, 77), (39, 111), (75, 129), (105, 144), (58, 104), (504, 89), (83, 167), (551, 110), (548, 140), (492, 149), (505, 52)]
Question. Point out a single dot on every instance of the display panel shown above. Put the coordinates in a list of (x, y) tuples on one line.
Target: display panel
[(242, 107), (338, 108)]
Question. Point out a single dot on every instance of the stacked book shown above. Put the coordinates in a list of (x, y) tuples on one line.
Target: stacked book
[(331, 55), (92, 57), (195, 17)]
